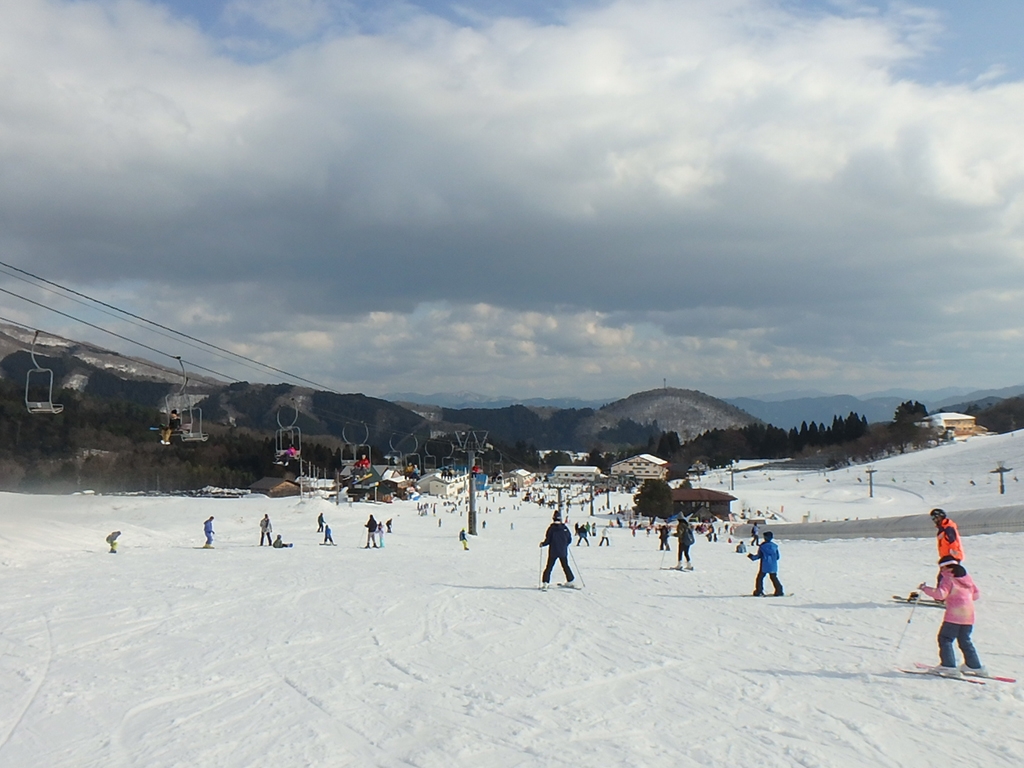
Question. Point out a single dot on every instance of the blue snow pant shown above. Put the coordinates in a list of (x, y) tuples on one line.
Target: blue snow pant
[(563, 559), (949, 632)]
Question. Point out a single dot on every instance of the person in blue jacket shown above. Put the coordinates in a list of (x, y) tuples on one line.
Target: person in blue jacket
[(557, 540), (208, 530), (768, 554)]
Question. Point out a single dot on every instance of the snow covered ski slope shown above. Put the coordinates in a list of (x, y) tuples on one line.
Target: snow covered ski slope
[(422, 654)]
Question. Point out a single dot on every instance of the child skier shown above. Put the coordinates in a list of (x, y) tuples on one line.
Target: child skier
[(112, 541), (768, 554), (959, 591), (463, 538)]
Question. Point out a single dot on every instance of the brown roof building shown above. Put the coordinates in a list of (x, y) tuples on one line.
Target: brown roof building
[(702, 502)]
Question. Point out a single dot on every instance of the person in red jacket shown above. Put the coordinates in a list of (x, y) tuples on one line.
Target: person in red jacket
[(947, 536)]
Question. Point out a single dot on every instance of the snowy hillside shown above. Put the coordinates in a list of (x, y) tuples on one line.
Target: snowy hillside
[(956, 476), (421, 654)]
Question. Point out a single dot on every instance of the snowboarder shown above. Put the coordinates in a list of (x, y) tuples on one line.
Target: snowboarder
[(208, 530), (958, 590), (557, 540), (371, 533), (686, 539), (112, 541), (327, 535), (278, 544), (320, 523), (464, 539), (265, 529), (768, 554)]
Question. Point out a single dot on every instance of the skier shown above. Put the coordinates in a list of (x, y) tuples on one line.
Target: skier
[(208, 530), (112, 541), (755, 535), (173, 425), (959, 591), (265, 529), (371, 533), (604, 535), (686, 539), (327, 535), (557, 540), (320, 523), (768, 554), (278, 544), (583, 532), (463, 538), (947, 536), (663, 534)]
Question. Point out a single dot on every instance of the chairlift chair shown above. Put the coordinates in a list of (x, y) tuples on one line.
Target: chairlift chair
[(288, 437), (37, 380), (191, 429)]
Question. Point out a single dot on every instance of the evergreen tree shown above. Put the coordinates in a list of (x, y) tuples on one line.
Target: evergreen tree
[(654, 499)]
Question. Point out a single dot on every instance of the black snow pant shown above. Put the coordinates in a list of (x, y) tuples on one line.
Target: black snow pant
[(267, 534), (759, 587), (563, 558), (684, 551), (321, 528), (583, 540)]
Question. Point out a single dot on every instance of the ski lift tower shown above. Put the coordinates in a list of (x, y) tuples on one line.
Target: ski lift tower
[(471, 442)]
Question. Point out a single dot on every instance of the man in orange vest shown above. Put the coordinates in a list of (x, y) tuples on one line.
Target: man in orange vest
[(948, 536)]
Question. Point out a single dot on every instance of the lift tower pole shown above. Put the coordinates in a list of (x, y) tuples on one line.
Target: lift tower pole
[(471, 442)]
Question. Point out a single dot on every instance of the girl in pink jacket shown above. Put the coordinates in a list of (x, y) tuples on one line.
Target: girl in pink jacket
[(959, 592)]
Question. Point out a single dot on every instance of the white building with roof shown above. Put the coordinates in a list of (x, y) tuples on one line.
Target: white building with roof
[(954, 424), (570, 474), (643, 467)]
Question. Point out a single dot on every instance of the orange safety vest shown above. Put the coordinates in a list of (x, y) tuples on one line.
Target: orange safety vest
[(949, 548)]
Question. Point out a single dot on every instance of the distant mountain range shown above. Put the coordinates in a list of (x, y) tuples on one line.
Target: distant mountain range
[(476, 400), (555, 423)]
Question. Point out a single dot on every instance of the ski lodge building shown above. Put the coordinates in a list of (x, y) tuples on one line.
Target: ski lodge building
[(642, 467), (570, 474), (954, 425), (702, 502)]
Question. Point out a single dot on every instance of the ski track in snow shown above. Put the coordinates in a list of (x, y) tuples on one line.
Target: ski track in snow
[(421, 654)]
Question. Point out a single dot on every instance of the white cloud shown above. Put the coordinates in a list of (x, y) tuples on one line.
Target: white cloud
[(727, 190)]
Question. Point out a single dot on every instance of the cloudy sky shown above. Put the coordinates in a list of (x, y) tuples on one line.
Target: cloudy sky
[(539, 199)]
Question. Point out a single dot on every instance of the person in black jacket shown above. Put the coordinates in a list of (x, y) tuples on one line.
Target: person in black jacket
[(557, 540)]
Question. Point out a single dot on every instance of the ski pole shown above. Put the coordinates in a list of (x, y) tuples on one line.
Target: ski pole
[(540, 567), (906, 626), (577, 567)]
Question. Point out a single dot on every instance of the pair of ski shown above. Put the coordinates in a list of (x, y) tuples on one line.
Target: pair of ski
[(566, 585), (915, 599), (928, 669)]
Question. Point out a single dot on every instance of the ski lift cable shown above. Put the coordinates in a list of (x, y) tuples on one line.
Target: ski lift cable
[(196, 366), (167, 335), (117, 335), (155, 324)]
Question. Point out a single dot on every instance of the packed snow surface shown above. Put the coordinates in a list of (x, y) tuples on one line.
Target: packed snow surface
[(422, 654), (954, 476)]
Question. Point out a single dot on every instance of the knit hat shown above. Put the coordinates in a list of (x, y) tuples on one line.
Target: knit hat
[(948, 560), (557, 517), (768, 535)]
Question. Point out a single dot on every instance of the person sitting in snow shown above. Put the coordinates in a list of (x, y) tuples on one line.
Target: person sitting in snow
[(278, 544)]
